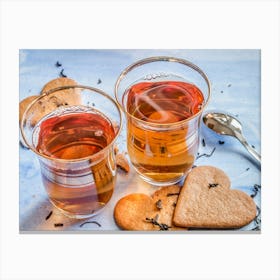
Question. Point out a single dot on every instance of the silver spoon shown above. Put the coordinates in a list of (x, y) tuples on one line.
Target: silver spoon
[(225, 124)]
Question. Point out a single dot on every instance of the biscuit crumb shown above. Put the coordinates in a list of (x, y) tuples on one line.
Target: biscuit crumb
[(122, 162), (116, 149)]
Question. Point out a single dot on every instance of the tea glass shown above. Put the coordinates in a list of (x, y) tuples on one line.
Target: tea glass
[(162, 148), (72, 130)]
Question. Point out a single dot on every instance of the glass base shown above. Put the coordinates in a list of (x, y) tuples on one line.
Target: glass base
[(161, 183), (77, 216)]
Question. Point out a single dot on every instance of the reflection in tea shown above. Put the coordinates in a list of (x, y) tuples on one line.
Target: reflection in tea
[(159, 147)]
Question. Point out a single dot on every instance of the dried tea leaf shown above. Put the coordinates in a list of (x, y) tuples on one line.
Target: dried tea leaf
[(213, 185)]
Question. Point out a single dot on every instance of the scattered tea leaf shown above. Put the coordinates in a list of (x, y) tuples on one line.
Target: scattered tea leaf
[(256, 228), (62, 74), (49, 215), (90, 222), (203, 142), (164, 227), (221, 142), (171, 194), (156, 223), (206, 155), (99, 81), (257, 219), (58, 64), (58, 225), (213, 185), (256, 189), (229, 85)]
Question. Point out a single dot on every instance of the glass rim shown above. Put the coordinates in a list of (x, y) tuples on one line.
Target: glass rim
[(157, 59), (46, 93)]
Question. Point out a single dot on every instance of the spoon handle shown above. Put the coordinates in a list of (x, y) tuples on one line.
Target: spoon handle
[(252, 151)]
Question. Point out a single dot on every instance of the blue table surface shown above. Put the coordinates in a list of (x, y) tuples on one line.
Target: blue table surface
[(235, 79)]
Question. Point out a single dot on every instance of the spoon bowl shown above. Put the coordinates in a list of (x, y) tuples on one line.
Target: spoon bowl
[(222, 123), (225, 124)]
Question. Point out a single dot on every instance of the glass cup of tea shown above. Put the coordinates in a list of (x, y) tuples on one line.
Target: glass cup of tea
[(163, 99), (72, 129)]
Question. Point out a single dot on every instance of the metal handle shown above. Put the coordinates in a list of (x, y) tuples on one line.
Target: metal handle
[(243, 141)]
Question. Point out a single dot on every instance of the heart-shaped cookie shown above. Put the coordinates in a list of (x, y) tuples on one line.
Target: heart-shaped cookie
[(139, 211), (206, 201)]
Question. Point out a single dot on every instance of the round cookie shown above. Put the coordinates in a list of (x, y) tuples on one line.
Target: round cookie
[(48, 104), (139, 211), (131, 212), (24, 104), (70, 96), (58, 82)]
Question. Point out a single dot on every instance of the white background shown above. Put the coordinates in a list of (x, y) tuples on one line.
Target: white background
[(143, 24)]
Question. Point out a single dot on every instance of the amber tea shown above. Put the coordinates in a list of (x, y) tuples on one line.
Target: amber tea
[(76, 136), (161, 154), (73, 139), (163, 98)]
